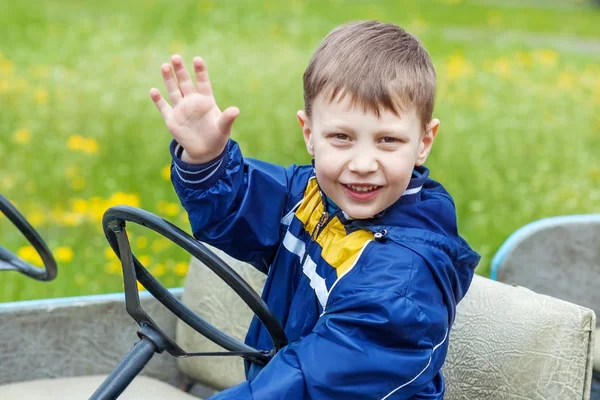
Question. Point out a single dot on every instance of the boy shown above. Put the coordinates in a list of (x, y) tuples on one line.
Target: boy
[(364, 262)]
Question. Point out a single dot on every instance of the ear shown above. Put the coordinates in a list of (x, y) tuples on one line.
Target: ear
[(305, 125), (427, 141)]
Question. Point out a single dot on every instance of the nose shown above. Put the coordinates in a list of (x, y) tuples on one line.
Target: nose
[(363, 163)]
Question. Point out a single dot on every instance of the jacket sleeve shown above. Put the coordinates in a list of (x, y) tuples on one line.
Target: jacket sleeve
[(233, 203), (372, 343)]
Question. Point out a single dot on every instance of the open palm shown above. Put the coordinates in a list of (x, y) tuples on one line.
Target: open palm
[(193, 117)]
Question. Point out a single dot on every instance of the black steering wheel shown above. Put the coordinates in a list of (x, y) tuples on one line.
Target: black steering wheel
[(114, 221), (10, 262)]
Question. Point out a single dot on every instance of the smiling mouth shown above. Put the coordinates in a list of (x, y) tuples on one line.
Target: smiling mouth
[(362, 188)]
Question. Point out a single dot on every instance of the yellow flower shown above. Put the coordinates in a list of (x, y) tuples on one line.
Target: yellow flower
[(140, 287), (457, 67), (565, 80), (36, 218), (80, 206), (3, 86), (113, 267), (181, 268), (165, 172), (41, 96), (110, 254), (546, 57), (159, 270), (77, 183), (80, 143), (22, 135), (523, 59), (141, 242), (120, 198), (7, 67), (159, 245), (145, 260), (168, 209), (501, 67), (30, 255), (64, 254)]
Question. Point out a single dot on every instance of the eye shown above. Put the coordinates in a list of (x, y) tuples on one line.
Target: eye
[(339, 136), (389, 139)]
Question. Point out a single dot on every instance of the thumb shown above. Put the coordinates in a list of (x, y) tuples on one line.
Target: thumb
[(227, 118)]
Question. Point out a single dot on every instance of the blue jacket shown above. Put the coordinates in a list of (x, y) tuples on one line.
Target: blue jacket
[(367, 305)]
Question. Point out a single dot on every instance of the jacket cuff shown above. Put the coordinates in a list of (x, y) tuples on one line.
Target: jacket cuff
[(197, 176)]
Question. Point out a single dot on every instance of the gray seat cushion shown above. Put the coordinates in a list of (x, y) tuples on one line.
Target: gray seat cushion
[(78, 388), (507, 342)]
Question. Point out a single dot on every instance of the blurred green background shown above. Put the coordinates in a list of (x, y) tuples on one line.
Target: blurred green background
[(518, 100)]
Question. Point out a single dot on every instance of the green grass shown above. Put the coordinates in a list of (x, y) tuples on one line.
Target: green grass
[(519, 90)]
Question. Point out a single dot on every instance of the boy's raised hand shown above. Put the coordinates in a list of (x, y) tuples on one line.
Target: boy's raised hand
[(194, 119)]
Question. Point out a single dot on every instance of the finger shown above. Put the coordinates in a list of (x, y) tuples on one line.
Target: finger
[(171, 84), (227, 119), (160, 103), (202, 81), (185, 82)]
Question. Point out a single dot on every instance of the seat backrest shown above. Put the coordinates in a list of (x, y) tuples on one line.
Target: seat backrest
[(558, 256), (507, 342)]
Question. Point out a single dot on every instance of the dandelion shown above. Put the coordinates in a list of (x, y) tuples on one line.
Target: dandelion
[(41, 96), (165, 172), (141, 242), (140, 286), (181, 268), (79, 205), (30, 255), (546, 57), (159, 245), (120, 198), (145, 260), (113, 267), (64, 254), (36, 218), (167, 208), (159, 270), (501, 67), (22, 135), (7, 67), (80, 143), (110, 254), (565, 80), (457, 67)]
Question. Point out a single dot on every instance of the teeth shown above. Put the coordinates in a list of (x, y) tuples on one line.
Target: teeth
[(362, 188)]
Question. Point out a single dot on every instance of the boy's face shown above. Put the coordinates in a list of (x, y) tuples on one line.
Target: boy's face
[(364, 163)]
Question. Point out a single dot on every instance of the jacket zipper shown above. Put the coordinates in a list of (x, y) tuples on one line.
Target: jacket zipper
[(320, 225)]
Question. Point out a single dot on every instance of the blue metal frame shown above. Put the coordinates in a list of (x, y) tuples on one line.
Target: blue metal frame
[(93, 298)]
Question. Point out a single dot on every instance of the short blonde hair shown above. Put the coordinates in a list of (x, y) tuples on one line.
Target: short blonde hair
[(379, 65)]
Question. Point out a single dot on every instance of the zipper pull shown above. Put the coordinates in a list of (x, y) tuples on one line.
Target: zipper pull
[(380, 235), (319, 226)]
